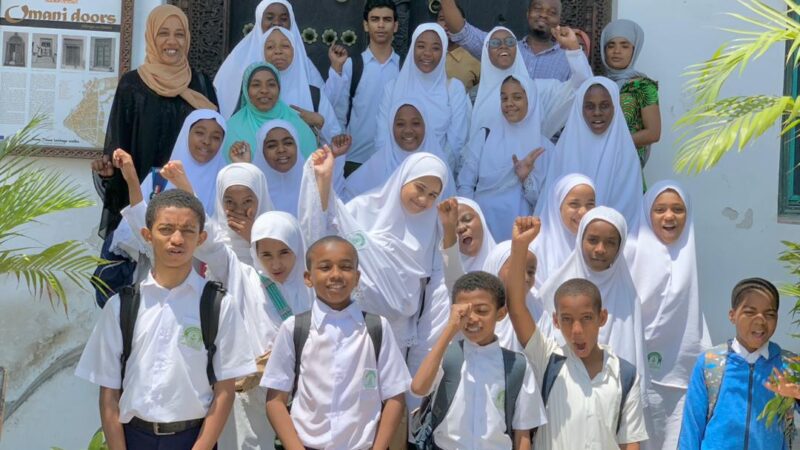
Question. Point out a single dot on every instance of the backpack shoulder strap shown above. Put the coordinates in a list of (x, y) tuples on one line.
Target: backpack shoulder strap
[(315, 96), (554, 365), (713, 371), (358, 71), (627, 376), (302, 326), (129, 300), (514, 368), (375, 331), (210, 307), (451, 366)]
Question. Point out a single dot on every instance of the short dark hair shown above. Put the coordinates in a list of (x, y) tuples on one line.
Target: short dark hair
[(579, 286), (329, 240), (483, 281), (174, 198), (754, 284), (373, 4)]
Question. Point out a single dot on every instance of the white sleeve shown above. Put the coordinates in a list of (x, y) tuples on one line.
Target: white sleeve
[(556, 97), (136, 216), (460, 115), (468, 175), (631, 427), (215, 253), (529, 409), (538, 351), (100, 360), (234, 355), (331, 128), (337, 88), (451, 263), (279, 372), (393, 374), (382, 129)]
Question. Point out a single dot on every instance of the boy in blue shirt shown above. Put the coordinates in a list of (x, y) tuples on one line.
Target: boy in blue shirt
[(727, 391)]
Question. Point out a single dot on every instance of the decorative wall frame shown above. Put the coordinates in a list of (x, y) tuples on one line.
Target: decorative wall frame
[(75, 53)]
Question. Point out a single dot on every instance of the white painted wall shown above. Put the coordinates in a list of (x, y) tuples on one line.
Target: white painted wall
[(679, 33)]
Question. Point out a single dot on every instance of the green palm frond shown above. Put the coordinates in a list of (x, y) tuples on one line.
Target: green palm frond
[(713, 129), (26, 194), (774, 27)]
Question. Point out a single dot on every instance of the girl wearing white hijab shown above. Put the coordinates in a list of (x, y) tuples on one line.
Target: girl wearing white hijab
[(230, 73), (598, 257), (596, 142), (296, 86), (241, 193), (284, 170), (572, 197), (663, 263), (500, 61), (393, 227), (445, 102), (408, 134)]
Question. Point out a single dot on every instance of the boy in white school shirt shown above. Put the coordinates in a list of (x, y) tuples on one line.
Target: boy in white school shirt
[(346, 398), (476, 417), (165, 399), (585, 407)]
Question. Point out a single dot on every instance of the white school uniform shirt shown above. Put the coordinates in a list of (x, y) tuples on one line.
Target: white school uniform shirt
[(476, 417), (582, 412), (165, 376), (341, 389), (751, 358), (364, 115)]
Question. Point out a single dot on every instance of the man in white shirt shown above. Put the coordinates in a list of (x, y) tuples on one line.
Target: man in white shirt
[(476, 418), (349, 392), (585, 396), (166, 397), (356, 87)]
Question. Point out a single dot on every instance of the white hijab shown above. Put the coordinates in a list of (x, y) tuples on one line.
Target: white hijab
[(284, 188), (295, 83), (609, 159), (431, 88), (249, 176), (675, 329), (555, 241), (473, 263), (623, 331), (505, 330), (228, 80), (283, 227), (488, 98), (380, 166), (199, 174)]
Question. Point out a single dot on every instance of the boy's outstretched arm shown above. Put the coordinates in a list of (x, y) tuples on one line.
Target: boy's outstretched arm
[(217, 414), (522, 440), (452, 16), (109, 418), (525, 231), (426, 374), (391, 415), (123, 161), (278, 415)]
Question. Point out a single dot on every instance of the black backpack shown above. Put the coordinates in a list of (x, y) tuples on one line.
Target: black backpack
[(210, 305)]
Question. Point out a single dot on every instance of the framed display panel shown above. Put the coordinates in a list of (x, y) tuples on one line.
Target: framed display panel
[(63, 59)]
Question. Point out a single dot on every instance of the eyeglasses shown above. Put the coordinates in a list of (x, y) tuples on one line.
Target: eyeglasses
[(496, 43)]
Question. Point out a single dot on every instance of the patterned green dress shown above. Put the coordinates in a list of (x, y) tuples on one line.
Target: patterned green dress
[(636, 95)]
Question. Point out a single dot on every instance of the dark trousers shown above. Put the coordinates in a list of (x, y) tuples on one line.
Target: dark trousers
[(136, 439)]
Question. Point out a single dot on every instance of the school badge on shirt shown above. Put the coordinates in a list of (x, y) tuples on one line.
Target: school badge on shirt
[(370, 380), (654, 360), (500, 399), (192, 337), (358, 239)]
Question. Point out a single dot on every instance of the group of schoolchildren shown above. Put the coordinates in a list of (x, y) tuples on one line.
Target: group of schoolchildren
[(441, 276)]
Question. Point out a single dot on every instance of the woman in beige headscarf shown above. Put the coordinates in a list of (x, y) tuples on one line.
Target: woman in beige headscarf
[(150, 105)]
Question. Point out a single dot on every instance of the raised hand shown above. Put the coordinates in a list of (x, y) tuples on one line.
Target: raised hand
[(103, 167), (123, 161), (322, 163), (313, 119), (448, 216), (525, 230), (174, 172), (566, 37), (341, 144), (240, 152), (459, 315), (337, 54), (781, 386), (241, 224), (523, 167)]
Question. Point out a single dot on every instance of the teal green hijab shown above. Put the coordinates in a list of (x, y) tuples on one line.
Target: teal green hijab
[(244, 124)]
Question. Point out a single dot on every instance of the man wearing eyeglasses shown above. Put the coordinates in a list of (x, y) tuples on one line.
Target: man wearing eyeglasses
[(544, 57)]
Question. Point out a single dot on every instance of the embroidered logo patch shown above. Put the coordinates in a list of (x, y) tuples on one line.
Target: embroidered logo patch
[(192, 337), (358, 239), (370, 380), (654, 360), (500, 399)]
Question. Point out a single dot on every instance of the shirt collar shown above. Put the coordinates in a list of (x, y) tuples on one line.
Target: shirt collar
[(524, 42), (472, 347), (322, 313), (369, 56), (751, 358), (194, 282)]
